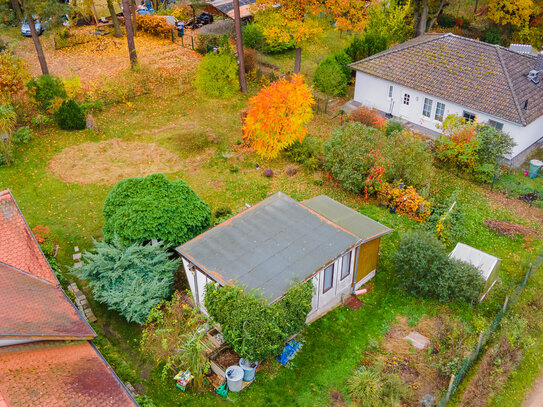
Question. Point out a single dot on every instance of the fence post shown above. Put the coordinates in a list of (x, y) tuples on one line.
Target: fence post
[(493, 180), (505, 304), (480, 342), (192, 40), (449, 390), (173, 39)]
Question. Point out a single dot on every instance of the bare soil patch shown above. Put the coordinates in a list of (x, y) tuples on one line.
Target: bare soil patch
[(510, 229), (227, 358), (412, 365), (110, 161), (518, 207)]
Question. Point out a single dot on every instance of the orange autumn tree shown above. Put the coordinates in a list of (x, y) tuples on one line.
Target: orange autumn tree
[(349, 15), (277, 116)]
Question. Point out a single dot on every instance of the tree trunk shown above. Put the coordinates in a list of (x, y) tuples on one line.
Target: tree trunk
[(416, 13), (239, 48), (439, 10), (17, 9), (476, 4), (298, 60), (37, 44), (133, 12), (118, 33), (129, 34), (420, 29)]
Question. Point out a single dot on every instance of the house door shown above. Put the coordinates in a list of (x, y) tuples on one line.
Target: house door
[(368, 254), (405, 104)]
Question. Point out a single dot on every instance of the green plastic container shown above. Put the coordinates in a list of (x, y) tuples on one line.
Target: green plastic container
[(535, 166)]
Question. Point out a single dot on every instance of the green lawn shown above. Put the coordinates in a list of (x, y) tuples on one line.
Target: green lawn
[(205, 133)]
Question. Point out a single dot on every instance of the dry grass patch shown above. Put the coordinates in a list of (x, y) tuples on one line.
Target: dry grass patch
[(110, 161)]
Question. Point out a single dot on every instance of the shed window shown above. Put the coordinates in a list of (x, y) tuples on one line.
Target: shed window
[(440, 111), (469, 116), (390, 90), (406, 98), (346, 265), (328, 278), (496, 125), (427, 109)]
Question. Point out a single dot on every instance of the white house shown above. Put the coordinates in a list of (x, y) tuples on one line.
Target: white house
[(429, 77), (280, 241)]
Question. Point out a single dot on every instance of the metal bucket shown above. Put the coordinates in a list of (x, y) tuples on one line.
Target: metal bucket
[(249, 370), (234, 377)]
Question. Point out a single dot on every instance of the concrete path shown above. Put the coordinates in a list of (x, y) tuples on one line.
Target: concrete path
[(535, 399)]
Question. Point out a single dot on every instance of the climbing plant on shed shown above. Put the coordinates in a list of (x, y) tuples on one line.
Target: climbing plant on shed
[(277, 116), (255, 329), (142, 209)]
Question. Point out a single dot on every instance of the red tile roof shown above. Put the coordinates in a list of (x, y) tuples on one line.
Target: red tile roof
[(59, 374), (30, 307), (18, 248)]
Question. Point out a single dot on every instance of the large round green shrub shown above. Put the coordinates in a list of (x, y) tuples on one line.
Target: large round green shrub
[(349, 155), (142, 209), (217, 75), (424, 268), (330, 78), (70, 116)]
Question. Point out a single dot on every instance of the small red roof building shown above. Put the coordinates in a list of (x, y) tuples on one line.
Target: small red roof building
[(46, 357)]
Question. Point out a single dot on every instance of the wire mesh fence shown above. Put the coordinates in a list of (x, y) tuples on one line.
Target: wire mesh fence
[(485, 336), (519, 185)]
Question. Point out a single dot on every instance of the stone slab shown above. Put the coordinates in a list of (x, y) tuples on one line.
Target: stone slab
[(78, 264), (417, 340), (76, 256), (76, 248)]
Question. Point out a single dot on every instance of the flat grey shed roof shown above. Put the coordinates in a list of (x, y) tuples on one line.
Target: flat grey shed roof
[(269, 245), (365, 228)]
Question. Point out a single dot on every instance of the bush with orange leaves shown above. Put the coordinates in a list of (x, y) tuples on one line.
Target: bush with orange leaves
[(368, 116), (406, 200), (154, 25), (277, 116)]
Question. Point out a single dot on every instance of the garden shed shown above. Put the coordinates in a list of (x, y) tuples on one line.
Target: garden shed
[(487, 264), (280, 241)]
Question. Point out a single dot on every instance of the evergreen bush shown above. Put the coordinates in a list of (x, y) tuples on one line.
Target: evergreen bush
[(253, 37), (70, 116), (45, 89), (424, 268), (153, 207), (308, 152), (217, 75), (493, 36), (330, 77), (366, 46), (128, 279)]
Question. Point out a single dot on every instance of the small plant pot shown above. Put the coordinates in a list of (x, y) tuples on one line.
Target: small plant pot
[(249, 369), (392, 209)]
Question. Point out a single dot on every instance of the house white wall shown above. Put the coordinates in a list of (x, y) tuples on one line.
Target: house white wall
[(374, 92)]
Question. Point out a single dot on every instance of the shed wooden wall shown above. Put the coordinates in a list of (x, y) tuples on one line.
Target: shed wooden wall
[(368, 254)]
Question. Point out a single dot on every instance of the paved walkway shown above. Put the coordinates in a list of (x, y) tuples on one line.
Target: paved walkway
[(535, 399)]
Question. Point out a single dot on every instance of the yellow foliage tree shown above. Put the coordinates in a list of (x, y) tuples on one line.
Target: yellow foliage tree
[(294, 20), (277, 116), (349, 15), (514, 12)]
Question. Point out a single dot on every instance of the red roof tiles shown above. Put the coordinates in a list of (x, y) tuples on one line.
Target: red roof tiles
[(58, 374), (18, 247), (30, 307)]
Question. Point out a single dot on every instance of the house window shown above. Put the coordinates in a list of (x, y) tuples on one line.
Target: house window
[(427, 109), (328, 278), (390, 90), (440, 111), (346, 265), (496, 125), (406, 98), (469, 116)]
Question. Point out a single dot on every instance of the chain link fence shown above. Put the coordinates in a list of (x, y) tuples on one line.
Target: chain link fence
[(519, 186), (485, 336)]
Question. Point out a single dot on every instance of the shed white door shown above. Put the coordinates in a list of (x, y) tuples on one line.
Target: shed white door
[(345, 273), (405, 104)]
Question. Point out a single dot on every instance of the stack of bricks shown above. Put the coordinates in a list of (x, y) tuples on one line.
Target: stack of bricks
[(80, 299)]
